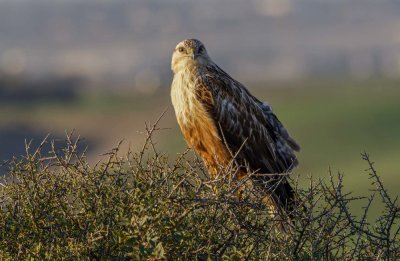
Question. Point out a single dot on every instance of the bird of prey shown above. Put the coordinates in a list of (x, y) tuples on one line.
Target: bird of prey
[(221, 120)]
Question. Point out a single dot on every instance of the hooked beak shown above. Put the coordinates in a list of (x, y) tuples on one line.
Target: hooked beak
[(194, 55)]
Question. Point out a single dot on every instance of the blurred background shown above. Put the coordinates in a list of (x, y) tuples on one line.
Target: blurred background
[(330, 69)]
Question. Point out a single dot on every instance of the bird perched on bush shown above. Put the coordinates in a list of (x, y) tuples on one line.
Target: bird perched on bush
[(223, 122)]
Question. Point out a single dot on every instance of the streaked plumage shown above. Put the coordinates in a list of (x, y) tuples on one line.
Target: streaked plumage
[(215, 111)]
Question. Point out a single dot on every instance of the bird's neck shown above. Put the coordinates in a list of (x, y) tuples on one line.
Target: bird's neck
[(190, 66)]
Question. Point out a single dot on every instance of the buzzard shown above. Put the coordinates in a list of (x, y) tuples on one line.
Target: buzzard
[(220, 119)]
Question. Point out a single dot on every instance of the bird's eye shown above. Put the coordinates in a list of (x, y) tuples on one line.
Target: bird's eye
[(181, 49), (201, 49)]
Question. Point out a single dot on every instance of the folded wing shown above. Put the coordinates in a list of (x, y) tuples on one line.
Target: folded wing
[(247, 126)]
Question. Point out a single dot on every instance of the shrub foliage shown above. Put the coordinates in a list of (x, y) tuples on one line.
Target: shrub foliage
[(54, 205)]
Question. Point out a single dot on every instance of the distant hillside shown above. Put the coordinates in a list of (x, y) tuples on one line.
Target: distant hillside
[(120, 40)]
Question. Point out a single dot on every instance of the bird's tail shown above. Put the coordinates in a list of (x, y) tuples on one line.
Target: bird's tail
[(281, 199)]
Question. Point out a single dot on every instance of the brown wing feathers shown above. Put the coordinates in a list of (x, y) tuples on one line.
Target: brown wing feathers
[(249, 125), (244, 125)]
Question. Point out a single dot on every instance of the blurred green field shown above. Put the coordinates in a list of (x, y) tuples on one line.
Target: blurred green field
[(333, 120), (335, 124)]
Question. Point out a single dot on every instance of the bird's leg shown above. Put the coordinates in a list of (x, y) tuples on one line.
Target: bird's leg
[(271, 206)]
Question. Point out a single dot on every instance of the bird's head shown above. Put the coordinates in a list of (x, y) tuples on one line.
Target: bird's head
[(189, 52)]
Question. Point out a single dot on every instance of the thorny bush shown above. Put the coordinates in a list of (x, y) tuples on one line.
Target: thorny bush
[(54, 205)]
